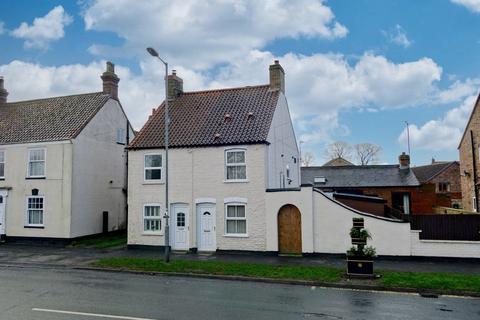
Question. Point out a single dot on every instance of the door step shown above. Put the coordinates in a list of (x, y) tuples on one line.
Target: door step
[(290, 255), (180, 251)]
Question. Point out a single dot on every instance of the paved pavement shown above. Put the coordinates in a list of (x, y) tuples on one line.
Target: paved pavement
[(60, 294), (12, 254)]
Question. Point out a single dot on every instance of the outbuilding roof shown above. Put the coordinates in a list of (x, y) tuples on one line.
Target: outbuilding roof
[(359, 176), (51, 119), (427, 172), (213, 117)]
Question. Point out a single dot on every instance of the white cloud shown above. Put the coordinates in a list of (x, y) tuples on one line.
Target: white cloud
[(441, 134), (203, 33), (318, 86), (472, 5), (44, 29), (398, 36), (2, 27)]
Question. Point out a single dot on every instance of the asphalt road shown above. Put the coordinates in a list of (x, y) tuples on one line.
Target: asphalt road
[(61, 294)]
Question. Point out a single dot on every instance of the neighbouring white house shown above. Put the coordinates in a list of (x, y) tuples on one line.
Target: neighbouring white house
[(234, 182), (63, 164)]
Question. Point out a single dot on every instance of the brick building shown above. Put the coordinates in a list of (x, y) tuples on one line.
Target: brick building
[(396, 184), (469, 149), (440, 183)]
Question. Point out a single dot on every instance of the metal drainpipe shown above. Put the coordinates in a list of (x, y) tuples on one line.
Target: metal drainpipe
[(474, 175)]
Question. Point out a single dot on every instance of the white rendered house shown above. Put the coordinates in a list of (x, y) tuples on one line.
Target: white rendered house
[(63, 164), (227, 147)]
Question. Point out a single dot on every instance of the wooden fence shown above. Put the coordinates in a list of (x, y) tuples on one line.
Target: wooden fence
[(447, 227)]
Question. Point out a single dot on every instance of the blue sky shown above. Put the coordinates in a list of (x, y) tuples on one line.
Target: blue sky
[(356, 70)]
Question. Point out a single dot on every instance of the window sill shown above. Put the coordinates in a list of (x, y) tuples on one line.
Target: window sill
[(35, 178), (34, 227), (145, 233), (235, 181), (153, 182), (236, 235)]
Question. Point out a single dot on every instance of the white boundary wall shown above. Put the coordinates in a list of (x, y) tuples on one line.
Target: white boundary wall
[(326, 225)]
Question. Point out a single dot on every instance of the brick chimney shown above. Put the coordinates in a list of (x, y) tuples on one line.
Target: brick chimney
[(175, 86), (110, 81), (404, 161), (3, 92), (277, 77)]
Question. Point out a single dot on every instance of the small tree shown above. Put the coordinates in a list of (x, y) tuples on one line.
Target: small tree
[(339, 149), (367, 153), (307, 159)]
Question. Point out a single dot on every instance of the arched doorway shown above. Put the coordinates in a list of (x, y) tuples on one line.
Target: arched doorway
[(289, 230)]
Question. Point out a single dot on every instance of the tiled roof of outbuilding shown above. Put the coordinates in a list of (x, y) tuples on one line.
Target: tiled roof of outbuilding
[(51, 119), (427, 172), (213, 117), (360, 176)]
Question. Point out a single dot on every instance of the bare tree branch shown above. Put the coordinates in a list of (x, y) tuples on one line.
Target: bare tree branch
[(308, 159), (367, 153), (338, 149)]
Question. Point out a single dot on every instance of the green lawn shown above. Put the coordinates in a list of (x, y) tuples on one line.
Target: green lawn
[(430, 280), (225, 268), (414, 280), (109, 240)]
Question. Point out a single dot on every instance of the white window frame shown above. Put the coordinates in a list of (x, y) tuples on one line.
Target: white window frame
[(236, 235), (244, 150), (160, 218), (474, 203), (153, 168), (27, 209), (121, 137), (2, 161), (29, 175)]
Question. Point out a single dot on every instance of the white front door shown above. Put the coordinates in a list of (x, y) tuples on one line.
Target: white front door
[(206, 227), (180, 227), (3, 206)]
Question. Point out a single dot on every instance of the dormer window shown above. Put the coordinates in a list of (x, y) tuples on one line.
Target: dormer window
[(235, 165)]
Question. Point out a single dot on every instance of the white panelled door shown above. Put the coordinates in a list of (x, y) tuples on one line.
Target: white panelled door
[(207, 239), (180, 228), (3, 206)]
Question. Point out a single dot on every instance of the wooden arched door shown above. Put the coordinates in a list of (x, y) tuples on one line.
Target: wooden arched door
[(289, 230)]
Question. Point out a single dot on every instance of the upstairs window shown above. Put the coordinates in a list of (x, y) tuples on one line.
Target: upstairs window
[(2, 164), (153, 167), (36, 163), (236, 166), (121, 136)]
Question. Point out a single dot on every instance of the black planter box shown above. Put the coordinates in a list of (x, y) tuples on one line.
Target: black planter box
[(360, 266)]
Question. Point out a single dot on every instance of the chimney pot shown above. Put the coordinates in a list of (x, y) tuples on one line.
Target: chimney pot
[(110, 81), (277, 77), (3, 92)]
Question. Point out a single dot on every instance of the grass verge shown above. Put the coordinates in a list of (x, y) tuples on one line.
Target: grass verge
[(391, 279), (102, 241), (225, 268)]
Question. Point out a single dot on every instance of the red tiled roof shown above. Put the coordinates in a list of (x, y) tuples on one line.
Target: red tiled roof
[(51, 119), (213, 117)]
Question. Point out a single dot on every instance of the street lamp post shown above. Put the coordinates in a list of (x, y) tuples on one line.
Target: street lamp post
[(154, 53)]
